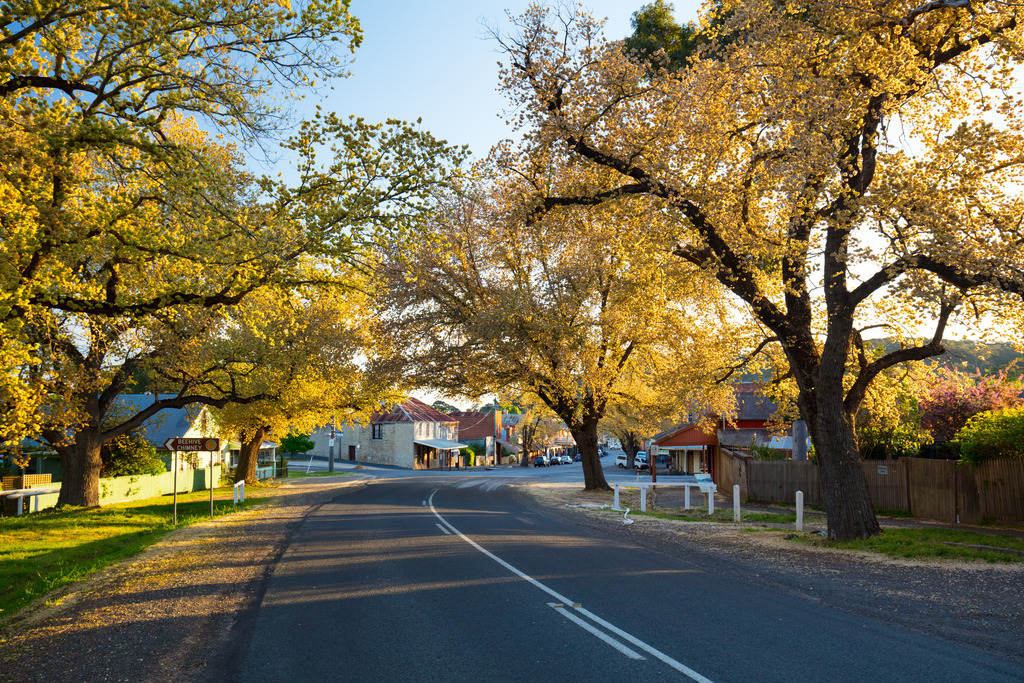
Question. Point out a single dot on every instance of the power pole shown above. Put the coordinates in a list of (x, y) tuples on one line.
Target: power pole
[(330, 448)]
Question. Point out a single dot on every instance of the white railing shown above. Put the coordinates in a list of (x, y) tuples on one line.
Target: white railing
[(20, 494), (708, 488)]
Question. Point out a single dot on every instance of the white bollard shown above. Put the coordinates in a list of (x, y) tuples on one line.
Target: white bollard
[(799, 510), (686, 497), (735, 502), (643, 498), (711, 502), (616, 496), (239, 492)]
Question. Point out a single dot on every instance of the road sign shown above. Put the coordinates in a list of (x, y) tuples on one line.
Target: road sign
[(190, 444)]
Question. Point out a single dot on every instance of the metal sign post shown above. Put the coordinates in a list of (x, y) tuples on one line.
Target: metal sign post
[(182, 443), (174, 462)]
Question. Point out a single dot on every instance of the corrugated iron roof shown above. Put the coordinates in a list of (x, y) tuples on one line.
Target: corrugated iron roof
[(412, 410), (475, 424), (166, 424)]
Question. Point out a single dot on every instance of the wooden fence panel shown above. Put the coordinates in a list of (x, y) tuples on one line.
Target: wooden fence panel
[(887, 484), (934, 489), (999, 485), (968, 501), (931, 487), (778, 481)]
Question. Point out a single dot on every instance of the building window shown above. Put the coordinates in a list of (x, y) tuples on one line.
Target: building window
[(377, 431)]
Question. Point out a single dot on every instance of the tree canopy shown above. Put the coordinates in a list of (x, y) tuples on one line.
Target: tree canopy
[(582, 308), (127, 229), (835, 167)]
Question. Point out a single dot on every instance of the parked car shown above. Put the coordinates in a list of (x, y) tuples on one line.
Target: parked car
[(540, 460), (620, 460), (578, 457), (566, 459), (554, 460), (640, 461)]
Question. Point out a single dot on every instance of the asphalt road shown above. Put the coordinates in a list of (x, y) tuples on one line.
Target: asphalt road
[(455, 577)]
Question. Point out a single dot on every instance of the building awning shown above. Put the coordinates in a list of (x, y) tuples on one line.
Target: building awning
[(440, 444), (510, 447)]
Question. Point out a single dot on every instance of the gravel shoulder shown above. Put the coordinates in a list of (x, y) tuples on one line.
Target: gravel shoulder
[(175, 612), (976, 603)]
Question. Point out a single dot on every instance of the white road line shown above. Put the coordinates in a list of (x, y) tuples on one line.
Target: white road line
[(678, 666), (444, 530), (632, 654)]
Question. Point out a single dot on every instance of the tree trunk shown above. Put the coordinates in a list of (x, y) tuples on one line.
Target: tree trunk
[(248, 455), (630, 442), (847, 502), (586, 440), (81, 463)]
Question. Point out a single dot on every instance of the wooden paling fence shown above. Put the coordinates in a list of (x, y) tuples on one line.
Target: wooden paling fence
[(935, 489)]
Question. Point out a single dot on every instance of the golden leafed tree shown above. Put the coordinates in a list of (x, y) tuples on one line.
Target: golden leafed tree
[(580, 308), (834, 166)]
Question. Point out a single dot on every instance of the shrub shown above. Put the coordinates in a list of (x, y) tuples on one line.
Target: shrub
[(296, 444), (951, 398), (129, 455), (766, 452), (992, 434)]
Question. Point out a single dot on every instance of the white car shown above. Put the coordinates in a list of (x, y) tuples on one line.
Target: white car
[(620, 460), (566, 459)]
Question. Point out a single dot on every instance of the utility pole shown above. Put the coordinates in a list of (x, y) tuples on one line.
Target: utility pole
[(330, 448)]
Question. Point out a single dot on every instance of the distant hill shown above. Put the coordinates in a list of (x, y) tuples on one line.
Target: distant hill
[(970, 356)]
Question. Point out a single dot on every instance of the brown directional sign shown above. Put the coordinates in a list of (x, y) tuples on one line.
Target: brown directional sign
[(188, 444)]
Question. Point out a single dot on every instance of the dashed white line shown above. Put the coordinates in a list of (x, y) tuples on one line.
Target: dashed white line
[(632, 654), (444, 530), (678, 666)]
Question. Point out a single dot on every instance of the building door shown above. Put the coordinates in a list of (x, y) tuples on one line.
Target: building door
[(351, 452)]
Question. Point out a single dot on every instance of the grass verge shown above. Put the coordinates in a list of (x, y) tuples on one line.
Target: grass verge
[(721, 515), (951, 544), (302, 475), (43, 551)]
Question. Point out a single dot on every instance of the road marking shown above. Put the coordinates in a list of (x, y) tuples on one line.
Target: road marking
[(678, 666), (632, 654), (444, 530)]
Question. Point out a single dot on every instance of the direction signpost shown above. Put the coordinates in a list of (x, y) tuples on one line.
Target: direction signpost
[(191, 444)]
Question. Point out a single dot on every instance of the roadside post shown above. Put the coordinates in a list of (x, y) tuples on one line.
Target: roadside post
[(799, 510), (735, 502)]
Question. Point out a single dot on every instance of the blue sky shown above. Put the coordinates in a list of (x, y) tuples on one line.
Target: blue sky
[(432, 60)]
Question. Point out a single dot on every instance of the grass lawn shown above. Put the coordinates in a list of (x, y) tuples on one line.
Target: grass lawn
[(45, 550), (952, 544)]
